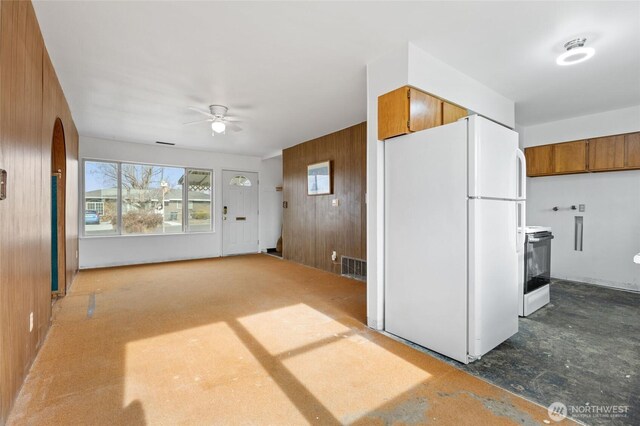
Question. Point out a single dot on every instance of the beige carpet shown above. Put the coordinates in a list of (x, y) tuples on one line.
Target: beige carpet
[(240, 340)]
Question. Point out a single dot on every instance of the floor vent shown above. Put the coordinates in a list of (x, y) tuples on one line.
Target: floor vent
[(354, 268)]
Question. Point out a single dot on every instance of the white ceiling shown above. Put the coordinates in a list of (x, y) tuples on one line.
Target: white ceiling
[(295, 71)]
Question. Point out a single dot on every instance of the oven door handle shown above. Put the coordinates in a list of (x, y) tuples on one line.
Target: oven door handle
[(536, 240)]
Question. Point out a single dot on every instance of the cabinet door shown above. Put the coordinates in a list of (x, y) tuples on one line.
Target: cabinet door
[(606, 153), (539, 160), (452, 113), (632, 150), (570, 157), (393, 113), (425, 111)]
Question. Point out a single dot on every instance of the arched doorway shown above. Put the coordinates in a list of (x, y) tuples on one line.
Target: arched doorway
[(58, 202)]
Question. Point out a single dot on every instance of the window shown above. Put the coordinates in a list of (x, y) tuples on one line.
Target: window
[(100, 198), (151, 199), (240, 181), (126, 199), (199, 197), (98, 207)]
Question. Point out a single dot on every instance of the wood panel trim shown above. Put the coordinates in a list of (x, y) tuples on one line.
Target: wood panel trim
[(30, 101)]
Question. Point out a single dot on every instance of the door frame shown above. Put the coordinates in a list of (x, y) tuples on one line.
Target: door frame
[(224, 185), (59, 168)]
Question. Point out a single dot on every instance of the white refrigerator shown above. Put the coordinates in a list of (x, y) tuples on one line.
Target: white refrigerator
[(454, 226)]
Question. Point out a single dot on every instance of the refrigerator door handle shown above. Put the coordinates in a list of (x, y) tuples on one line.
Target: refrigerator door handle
[(522, 187), (520, 224)]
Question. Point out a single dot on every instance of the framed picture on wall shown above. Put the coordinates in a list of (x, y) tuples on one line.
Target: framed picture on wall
[(319, 178)]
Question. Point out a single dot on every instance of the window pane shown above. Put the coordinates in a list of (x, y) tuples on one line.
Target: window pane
[(151, 199), (240, 181), (100, 198), (200, 189)]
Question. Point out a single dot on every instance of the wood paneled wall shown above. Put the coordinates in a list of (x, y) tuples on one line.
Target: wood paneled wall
[(312, 227), (30, 100)]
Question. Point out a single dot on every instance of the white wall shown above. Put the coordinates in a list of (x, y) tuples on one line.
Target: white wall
[(384, 75), (612, 201), (123, 250), (409, 65), (270, 202), (438, 78)]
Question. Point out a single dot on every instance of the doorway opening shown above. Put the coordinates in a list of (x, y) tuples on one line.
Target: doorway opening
[(58, 203)]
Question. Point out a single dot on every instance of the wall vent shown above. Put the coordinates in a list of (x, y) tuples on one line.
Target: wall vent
[(353, 268)]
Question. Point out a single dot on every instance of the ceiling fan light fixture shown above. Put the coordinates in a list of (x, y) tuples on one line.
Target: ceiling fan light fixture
[(576, 52), (218, 127)]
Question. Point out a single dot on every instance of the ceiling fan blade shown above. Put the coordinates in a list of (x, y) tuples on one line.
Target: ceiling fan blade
[(201, 111), (233, 127), (232, 119), (197, 122)]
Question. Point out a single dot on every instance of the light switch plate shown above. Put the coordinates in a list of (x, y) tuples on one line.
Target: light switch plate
[(335, 202), (581, 207)]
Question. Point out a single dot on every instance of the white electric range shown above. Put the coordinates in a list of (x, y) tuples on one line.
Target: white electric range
[(534, 270)]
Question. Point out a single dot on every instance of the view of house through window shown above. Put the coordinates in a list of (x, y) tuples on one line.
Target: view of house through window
[(199, 194), (152, 199), (101, 198)]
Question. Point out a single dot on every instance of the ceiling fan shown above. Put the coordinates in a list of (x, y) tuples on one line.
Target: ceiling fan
[(217, 116)]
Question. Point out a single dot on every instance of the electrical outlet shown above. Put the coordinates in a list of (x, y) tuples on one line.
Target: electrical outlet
[(334, 256), (30, 322), (581, 207)]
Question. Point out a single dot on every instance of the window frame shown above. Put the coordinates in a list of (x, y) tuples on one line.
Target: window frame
[(185, 211), (84, 199), (185, 200)]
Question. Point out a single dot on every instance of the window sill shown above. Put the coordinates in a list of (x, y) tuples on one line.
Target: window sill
[(94, 237)]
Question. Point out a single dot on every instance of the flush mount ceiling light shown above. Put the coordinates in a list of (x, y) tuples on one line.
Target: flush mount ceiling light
[(218, 127), (576, 52)]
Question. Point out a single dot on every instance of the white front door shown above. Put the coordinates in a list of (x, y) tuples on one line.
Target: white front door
[(239, 212)]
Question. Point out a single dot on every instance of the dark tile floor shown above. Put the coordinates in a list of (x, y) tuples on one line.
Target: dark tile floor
[(583, 349)]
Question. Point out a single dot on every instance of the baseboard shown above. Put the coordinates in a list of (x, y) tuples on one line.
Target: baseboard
[(601, 283), (153, 262)]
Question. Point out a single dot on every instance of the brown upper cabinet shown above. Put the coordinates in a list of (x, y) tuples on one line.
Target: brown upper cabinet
[(451, 112), (557, 159), (539, 160), (407, 110), (570, 157), (632, 150), (606, 153), (609, 153)]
